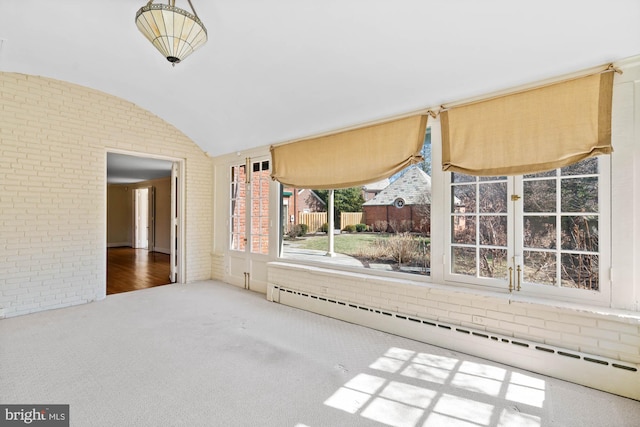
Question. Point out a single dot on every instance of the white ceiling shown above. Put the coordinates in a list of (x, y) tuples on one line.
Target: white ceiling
[(277, 70), (125, 169)]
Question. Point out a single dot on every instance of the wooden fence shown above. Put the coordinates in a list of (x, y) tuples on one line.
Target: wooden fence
[(351, 218), (314, 220)]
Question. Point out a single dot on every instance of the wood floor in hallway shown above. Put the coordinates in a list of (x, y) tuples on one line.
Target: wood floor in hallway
[(131, 269)]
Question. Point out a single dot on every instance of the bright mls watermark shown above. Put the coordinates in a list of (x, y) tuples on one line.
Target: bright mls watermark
[(34, 415)]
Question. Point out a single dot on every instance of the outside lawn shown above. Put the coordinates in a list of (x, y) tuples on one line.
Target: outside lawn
[(348, 244), (401, 251)]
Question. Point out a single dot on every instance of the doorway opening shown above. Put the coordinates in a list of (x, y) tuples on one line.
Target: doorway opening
[(142, 208), (144, 227)]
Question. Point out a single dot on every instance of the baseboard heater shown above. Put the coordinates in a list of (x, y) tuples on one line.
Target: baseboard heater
[(610, 375)]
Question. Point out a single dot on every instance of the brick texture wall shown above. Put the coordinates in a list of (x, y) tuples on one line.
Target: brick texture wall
[(607, 334), (54, 137), (407, 218)]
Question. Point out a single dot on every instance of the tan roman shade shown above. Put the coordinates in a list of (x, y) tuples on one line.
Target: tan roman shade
[(350, 158), (530, 131)]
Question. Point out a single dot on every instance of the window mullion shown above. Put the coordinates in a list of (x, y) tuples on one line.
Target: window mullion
[(477, 216), (558, 213), (515, 217)]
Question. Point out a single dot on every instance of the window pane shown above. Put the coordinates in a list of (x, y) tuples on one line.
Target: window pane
[(579, 194), (539, 195), (585, 167), (493, 263), (463, 198), (493, 230), (260, 182), (463, 261), (580, 271), (460, 177), (540, 267), (464, 229), (580, 233), (493, 197), (542, 174), (540, 232), (237, 212)]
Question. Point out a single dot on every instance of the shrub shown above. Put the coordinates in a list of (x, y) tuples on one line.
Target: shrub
[(380, 226), (403, 248), (349, 228), (361, 227), (324, 227), (298, 230), (292, 233), (304, 229), (401, 226), (377, 250)]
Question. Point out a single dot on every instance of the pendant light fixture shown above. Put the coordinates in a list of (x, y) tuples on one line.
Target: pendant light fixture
[(175, 32)]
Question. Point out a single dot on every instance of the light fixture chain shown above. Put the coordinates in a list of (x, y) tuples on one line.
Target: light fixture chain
[(192, 9)]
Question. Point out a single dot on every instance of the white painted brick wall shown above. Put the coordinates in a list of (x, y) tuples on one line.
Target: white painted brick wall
[(217, 266), (54, 137), (596, 332)]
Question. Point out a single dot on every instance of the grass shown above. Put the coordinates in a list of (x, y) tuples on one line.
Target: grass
[(398, 251), (349, 244), (353, 244)]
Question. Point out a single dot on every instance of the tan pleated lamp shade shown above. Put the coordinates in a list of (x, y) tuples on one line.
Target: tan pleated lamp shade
[(175, 32)]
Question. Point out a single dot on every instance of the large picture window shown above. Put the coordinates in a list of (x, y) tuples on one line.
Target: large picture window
[(382, 226)]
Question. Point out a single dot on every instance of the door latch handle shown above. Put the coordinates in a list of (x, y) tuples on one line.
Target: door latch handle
[(510, 279)]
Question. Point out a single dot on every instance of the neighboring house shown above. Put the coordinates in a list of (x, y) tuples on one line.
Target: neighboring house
[(369, 191), (296, 201), (404, 205)]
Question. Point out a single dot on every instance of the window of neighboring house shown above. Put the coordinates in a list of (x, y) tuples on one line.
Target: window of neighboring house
[(539, 233), (382, 226)]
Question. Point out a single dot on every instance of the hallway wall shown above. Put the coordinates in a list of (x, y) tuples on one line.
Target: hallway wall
[(55, 138), (120, 214)]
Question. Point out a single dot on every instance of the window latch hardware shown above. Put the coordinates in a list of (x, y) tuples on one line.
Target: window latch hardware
[(510, 279)]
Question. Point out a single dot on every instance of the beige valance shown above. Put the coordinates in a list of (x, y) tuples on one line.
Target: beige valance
[(530, 131), (350, 158)]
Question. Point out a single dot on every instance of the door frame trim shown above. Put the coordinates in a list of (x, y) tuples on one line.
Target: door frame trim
[(181, 276)]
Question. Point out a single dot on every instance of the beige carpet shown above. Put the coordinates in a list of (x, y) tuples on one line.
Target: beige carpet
[(209, 354)]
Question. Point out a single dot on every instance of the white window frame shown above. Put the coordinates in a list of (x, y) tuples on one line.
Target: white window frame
[(515, 246)]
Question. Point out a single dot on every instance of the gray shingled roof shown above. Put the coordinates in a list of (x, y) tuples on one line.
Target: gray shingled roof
[(414, 186), (376, 186)]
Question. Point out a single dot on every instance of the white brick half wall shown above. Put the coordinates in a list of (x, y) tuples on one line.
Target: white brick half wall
[(54, 137), (609, 334)]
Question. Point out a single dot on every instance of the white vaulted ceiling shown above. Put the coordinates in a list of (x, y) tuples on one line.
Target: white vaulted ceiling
[(277, 70)]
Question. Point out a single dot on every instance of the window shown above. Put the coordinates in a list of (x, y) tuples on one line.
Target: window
[(530, 232), (238, 218), (380, 226), (260, 180), (257, 199)]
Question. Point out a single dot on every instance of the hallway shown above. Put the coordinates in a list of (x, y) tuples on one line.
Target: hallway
[(131, 269)]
